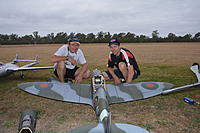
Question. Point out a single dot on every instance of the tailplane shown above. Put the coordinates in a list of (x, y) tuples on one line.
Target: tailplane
[(115, 128), (106, 126), (16, 59)]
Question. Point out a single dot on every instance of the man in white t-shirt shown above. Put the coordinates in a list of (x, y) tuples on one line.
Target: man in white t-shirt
[(66, 59)]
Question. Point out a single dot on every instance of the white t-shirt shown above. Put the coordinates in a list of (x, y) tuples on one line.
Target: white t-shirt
[(78, 56)]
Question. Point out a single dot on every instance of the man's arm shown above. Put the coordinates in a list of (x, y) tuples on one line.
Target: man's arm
[(79, 76), (63, 58), (55, 58), (130, 73), (116, 79), (84, 68)]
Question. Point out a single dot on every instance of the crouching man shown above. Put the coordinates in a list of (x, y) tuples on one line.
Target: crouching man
[(66, 59), (125, 62)]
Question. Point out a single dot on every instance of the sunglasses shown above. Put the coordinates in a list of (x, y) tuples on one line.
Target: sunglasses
[(75, 45)]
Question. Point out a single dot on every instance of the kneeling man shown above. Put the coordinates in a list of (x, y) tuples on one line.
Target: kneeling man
[(124, 61), (66, 59)]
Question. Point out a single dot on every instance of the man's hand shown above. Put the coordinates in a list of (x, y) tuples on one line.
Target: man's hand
[(78, 78), (73, 61), (117, 81)]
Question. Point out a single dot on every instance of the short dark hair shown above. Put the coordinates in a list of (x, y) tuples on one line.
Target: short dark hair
[(73, 39), (114, 41)]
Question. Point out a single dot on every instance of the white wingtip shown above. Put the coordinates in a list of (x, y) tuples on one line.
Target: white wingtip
[(17, 56), (195, 69), (36, 57), (15, 60)]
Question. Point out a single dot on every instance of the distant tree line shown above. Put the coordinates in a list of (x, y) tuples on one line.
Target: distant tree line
[(100, 37)]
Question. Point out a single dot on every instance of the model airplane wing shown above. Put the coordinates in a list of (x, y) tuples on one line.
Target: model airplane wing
[(27, 68), (77, 93), (135, 91)]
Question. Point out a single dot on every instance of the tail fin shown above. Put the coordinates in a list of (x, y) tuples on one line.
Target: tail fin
[(195, 69), (36, 58), (107, 123), (15, 60), (16, 57)]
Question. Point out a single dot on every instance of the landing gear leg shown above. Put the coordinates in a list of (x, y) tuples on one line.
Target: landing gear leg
[(21, 75)]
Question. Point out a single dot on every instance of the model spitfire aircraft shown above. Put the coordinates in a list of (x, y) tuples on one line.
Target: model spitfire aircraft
[(11, 67), (99, 96)]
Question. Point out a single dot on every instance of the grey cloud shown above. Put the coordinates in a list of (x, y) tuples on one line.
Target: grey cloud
[(140, 17)]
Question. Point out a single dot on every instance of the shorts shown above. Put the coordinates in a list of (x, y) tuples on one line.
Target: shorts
[(120, 75), (70, 73)]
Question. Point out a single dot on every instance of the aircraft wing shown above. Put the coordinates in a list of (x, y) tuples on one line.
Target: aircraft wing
[(77, 93), (195, 85), (28, 68), (135, 91)]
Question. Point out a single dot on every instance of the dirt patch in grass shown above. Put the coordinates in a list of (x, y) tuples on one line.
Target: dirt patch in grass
[(167, 62)]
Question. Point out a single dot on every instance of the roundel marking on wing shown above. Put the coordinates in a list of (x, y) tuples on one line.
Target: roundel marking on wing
[(43, 86), (150, 86)]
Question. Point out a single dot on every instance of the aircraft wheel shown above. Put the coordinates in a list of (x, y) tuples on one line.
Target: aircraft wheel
[(22, 76)]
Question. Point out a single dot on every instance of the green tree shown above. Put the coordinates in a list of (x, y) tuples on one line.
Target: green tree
[(100, 35), (108, 36), (27, 39), (36, 37), (71, 35), (90, 37), (155, 34), (81, 36), (171, 36), (61, 37), (50, 38), (121, 35), (187, 36), (197, 35), (4, 39)]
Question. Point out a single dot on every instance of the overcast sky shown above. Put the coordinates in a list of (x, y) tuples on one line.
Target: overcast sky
[(85, 16)]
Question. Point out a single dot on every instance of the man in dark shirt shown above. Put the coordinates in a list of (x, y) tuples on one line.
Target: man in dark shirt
[(124, 61)]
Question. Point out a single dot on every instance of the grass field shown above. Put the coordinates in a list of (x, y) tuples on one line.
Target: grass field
[(165, 62)]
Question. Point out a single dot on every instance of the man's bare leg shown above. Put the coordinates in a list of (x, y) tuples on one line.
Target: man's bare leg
[(105, 75), (86, 74), (61, 70), (123, 69)]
